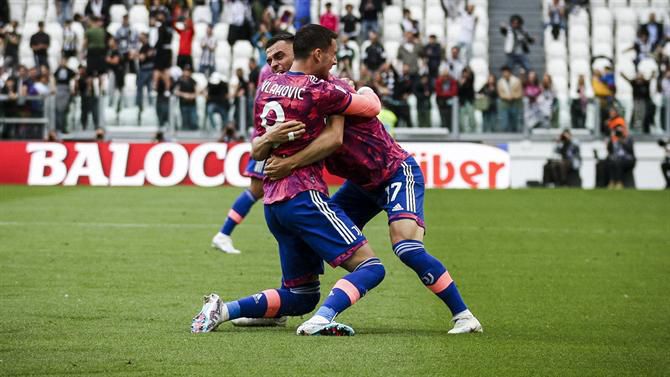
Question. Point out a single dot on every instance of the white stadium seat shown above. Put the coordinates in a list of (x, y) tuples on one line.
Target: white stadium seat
[(202, 13), (555, 49), (200, 31), (393, 33), (55, 31), (221, 32), (601, 16), (602, 49), (434, 15), (35, 13), (625, 16), (116, 12), (602, 34), (243, 49), (392, 15), (580, 51), (639, 3), (617, 4), (139, 14), (578, 33), (557, 67)]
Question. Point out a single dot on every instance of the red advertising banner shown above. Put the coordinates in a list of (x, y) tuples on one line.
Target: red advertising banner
[(444, 165)]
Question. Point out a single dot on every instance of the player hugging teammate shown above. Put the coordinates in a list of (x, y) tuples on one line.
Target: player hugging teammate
[(309, 226)]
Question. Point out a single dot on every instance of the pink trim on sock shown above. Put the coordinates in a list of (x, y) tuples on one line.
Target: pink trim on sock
[(236, 217), (274, 302), (442, 283), (349, 289)]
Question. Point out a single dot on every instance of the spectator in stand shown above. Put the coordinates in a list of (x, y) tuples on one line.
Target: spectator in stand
[(665, 90), (409, 53), (487, 102), (240, 95), (98, 9), (510, 95), (423, 90), (408, 24), (620, 156), (208, 57), (240, 16), (95, 48), (12, 40), (579, 105), (548, 103), (369, 10), (532, 91), (70, 40), (126, 41), (254, 74), (145, 60), (185, 90), (349, 22), (63, 77), (655, 31), (468, 22), (446, 89), (643, 107), (215, 7), (9, 106), (345, 55), (605, 97), (87, 89), (185, 31), (162, 104), (374, 55), (466, 99), (403, 83), (451, 7), (156, 8), (64, 11), (229, 133), (643, 47), (115, 66), (40, 43), (615, 120), (564, 171), (302, 13), (259, 40), (433, 54), (163, 47), (516, 44), (556, 13), (455, 63), (329, 19), (217, 99)]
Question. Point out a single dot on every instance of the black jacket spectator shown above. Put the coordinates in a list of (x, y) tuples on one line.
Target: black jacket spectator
[(374, 56)]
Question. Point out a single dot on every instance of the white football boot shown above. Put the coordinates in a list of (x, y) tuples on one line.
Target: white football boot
[(465, 322), (260, 322), (224, 243), (212, 314), (318, 325)]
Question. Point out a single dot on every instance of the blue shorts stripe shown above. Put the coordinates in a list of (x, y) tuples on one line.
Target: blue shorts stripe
[(332, 218)]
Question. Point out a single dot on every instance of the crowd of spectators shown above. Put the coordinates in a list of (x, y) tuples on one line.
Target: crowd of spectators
[(421, 69)]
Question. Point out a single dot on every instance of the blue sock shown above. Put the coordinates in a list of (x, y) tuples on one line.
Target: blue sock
[(273, 303), (352, 287), (240, 209), (432, 273)]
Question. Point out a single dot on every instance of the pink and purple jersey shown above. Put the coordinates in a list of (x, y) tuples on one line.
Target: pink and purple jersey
[(296, 96), (369, 156)]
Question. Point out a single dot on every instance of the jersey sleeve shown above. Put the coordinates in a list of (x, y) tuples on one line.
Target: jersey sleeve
[(331, 98)]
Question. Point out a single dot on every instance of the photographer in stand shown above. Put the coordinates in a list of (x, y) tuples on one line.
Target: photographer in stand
[(564, 171), (665, 165), (620, 159)]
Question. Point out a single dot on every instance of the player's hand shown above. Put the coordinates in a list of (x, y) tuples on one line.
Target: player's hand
[(284, 132), (278, 168)]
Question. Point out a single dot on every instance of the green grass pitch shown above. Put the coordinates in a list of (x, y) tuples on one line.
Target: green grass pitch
[(105, 281)]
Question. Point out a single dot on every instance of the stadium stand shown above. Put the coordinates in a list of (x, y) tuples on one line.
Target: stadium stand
[(606, 34)]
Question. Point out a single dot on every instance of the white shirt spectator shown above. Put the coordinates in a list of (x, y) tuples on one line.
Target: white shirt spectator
[(237, 11), (468, 23)]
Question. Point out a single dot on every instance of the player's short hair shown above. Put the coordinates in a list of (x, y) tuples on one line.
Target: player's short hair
[(309, 38), (281, 36)]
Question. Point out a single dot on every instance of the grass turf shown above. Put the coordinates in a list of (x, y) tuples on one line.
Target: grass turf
[(106, 281)]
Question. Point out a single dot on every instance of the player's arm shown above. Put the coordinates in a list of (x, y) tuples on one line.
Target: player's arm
[(323, 146), (262, 146), (365, 104)]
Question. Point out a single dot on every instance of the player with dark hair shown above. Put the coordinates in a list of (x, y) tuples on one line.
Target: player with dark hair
[(380, 176), (307, 226), (279, 51)]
